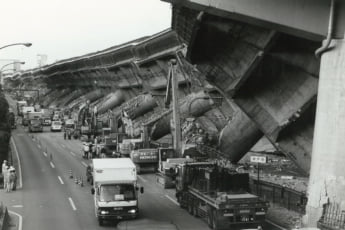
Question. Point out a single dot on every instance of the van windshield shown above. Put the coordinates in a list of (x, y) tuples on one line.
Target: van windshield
[(117, 192)]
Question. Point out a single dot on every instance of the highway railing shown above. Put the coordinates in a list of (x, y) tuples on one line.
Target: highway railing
[(4, 218), (280, 195), (332, 218)]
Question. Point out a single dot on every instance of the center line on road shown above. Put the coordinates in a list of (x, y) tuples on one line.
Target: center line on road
[(45, 154), (83, 163), (72, 203), (61, 181), (172, 200), (72, 153), (51, 164), (141, 178)]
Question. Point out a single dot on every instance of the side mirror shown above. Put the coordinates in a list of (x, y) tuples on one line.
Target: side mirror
[(141, 189), (92, 191)]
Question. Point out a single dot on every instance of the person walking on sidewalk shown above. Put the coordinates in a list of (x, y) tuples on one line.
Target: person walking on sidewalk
[(12, 180), (4, 172)]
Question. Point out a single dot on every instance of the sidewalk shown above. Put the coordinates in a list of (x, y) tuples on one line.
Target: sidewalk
[(13, 223)]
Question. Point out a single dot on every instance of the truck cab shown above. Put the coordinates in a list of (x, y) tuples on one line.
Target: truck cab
[(115, 189)]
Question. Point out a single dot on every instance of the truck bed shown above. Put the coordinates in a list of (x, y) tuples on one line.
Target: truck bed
[(217, 199)]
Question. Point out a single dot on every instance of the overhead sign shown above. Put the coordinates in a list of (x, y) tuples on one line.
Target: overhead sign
[(258, 159)]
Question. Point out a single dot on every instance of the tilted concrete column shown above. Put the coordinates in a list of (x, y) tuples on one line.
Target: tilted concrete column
[(327, 174)]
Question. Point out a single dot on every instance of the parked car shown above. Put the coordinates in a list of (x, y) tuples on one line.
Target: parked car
[(56, 126)]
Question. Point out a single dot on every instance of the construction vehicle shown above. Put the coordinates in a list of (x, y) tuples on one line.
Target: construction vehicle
[(20, 105), (115, 189), (26, 111), (167, 162), (145, 160), (35, 125), (218, 195)]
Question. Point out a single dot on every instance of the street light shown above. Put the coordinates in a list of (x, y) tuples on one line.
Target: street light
[(27, 44)]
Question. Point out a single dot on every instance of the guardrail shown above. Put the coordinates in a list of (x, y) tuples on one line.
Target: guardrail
[(3, 217), (280, 195), (333, 218)]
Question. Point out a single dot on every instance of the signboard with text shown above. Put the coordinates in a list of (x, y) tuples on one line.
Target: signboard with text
[(258, 159)]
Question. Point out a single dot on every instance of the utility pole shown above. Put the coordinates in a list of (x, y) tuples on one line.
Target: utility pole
[(176, 110)]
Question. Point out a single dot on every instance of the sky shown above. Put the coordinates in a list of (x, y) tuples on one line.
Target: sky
[(63, 29)]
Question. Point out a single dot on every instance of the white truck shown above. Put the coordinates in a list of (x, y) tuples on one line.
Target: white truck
[(115, 189)]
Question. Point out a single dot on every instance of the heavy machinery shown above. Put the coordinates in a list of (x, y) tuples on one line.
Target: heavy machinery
[(145, 160), (35, 125), (218, 195)]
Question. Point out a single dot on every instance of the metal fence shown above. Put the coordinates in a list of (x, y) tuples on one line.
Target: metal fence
[(332, 217), (280, 195)]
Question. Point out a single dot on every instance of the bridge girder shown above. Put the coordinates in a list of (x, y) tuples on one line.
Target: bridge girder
[(307, 19)]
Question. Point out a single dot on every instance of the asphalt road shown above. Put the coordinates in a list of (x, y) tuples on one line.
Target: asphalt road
[(50, 199)]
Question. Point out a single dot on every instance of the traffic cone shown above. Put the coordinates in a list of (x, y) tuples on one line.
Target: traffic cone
[(70, 174), (76, 180)]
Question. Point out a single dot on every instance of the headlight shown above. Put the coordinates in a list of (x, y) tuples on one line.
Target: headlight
[(103, 212), (133, 211)]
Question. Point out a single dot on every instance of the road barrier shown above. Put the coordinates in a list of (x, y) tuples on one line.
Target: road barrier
[(70, 173), (4, 218), (280, 195)]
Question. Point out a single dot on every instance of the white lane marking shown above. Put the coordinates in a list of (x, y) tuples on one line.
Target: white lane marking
[(20, 134), (45, 154), (83, 163), (172, 200), (72, 203), (39, 146), (72, 153), (17, 206), (61, 181), (20, 224), (280, 227), (63, 146), (51, 164), (141, 178), (19, 164)]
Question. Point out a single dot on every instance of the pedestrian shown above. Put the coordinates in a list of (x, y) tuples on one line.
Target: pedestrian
[(4, 173), (7, 178), (64, 135), (4, 166), (12, 178)]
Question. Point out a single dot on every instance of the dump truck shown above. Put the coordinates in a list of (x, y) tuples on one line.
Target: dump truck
[(35, 125), (145, 160), (220, 196), (115, 189)]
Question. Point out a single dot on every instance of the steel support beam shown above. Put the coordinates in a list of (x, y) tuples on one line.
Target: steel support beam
[(307, 18)]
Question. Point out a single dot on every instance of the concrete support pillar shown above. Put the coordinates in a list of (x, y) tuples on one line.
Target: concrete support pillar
[(327, 174)]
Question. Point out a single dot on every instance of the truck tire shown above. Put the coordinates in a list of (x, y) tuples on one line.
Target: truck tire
[(100, 222), (215, 224), (209, 219), (190, 207)]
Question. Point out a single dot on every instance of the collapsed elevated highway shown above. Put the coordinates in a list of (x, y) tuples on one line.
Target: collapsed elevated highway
[(261, 64)]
